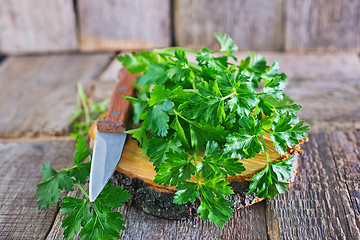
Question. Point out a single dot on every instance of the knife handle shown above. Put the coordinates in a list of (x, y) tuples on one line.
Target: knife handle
[(117, 118)]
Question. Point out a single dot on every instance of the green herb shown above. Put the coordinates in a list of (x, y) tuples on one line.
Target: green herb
[(199, 119), (86, 113), (96, 220)]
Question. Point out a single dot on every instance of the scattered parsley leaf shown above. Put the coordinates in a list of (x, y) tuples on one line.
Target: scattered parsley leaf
[(48, 192), (78, 217), (82, 152)]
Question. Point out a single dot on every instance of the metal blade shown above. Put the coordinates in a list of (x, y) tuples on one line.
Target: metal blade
[(107, 152)]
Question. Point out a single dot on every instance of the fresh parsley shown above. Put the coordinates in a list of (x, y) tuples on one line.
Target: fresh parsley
[(95, 220), (86, 113), (199, 119)]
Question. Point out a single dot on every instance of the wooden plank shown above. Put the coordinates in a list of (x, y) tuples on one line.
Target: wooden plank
[(124, 24), (140, 225), (254, 25), (38, 94), (319, 204), (37, 26), (322, 24), (20, 172)]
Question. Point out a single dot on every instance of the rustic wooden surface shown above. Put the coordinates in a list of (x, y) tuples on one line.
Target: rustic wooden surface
[(124, 24), (38, 93), (322, 24), (21, 163), (252, 24), (37, 26), (323, 203)]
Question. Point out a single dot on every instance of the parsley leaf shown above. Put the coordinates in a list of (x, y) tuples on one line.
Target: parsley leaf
[(78, 217), (187, 192), (208, 60), (215, 161), (136, 63), (157, 118), (285, 134), (155, 73), (175, 169), (272, 180), (48, 191), (158, 154), (245, 142), (82, 152), (227, 45)]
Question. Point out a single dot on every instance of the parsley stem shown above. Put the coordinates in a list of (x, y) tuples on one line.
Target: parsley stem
[(87, 198), (265, 130), (177, 48), (195, 163), (84, 103), (265, 149), (82, 190), (226, 97)]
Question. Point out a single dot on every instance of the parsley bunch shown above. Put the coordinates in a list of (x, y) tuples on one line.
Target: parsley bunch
[(199, 119), (97, 220)]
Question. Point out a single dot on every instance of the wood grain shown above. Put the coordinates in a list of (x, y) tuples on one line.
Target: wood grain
[(140, 225), (323, 202), (124, 24), (254, 25), (20, 172), (38, 94), (35, 26), (322, 24), (118, 116)]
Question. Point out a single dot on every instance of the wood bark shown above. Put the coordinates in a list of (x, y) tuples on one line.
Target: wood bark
[(124, 24), (34, 26)]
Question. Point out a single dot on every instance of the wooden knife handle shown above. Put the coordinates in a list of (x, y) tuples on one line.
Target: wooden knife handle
[(117, 118)]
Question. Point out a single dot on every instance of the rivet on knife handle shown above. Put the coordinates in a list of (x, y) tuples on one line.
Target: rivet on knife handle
[(117, 118)]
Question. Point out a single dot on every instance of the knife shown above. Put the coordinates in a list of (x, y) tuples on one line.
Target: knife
[(110, 138)]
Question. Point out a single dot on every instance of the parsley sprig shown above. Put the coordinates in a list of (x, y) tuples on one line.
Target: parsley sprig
[(200, 119), (95, 220)]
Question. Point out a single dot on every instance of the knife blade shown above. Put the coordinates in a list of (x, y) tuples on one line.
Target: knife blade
[(111, 137)]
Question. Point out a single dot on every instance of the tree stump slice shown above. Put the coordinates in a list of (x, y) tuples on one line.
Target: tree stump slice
[(136, 173)]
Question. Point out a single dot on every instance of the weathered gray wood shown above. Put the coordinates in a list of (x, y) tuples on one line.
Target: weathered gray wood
[(322, 24), (56, 231), (252, 24), (102, 87), (38, 94), (323, 202), (37, 26), (20, 172), (124, 24)]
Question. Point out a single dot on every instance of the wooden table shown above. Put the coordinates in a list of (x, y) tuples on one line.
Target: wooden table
[(37, 96)]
